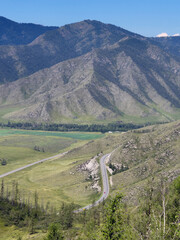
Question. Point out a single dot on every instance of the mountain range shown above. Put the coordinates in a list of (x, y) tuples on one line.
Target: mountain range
[(87, 72)]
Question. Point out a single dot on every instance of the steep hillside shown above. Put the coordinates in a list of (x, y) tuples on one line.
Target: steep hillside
[(91, 71), (131, 78), (170, 44), (55, 46), (146, 153), (13, 33)]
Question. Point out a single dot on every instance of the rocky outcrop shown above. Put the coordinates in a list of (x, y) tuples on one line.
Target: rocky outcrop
[(91, 168)]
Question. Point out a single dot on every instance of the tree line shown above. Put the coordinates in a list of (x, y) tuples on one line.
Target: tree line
[(29, 213), (117, 126), (156, 217)]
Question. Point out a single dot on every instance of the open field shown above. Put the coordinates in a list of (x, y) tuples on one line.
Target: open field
[(23, 147), (56, 180), (73, 135), (148, 152), (19, 150), (60, 180)]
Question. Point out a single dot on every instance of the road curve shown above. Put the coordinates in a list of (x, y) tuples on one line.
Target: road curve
[(105, 185), (103, 174), (32, 164)]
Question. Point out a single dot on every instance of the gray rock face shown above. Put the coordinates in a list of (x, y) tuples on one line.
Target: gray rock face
[(55, 46), (127, 75)]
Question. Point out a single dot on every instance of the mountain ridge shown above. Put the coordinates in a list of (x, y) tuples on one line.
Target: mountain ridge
[(55, 46), (13, 33), (110, 78), (91, 70)]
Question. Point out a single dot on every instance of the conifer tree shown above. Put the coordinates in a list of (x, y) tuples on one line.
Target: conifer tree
[(2, 189)]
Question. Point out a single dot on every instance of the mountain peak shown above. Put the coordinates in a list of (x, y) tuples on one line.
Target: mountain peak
[(162, 35), (176, 35), (166, 35)]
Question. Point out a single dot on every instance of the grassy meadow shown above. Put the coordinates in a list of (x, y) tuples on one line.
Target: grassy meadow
[(143, 151), (151, 151), (17, 146), (14, 233), (72, 135), (56, 180)]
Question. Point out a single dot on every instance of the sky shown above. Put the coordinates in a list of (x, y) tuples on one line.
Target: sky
[(146, 17)]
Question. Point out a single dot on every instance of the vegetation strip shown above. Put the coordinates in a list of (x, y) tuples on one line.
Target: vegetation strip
[(73, 135), (115, 126)]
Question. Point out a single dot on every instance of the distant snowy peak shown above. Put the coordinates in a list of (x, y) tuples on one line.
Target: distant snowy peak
[(176, 35), (162, 35), (166, 35)]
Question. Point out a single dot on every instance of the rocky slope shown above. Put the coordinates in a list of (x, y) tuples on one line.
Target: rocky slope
[(146, 153), (55, 46), (170, 44), (90, 70), (130, 77)]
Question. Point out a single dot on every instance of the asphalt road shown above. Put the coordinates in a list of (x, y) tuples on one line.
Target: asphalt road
[(31, 164), (103, 173), (105, 185)]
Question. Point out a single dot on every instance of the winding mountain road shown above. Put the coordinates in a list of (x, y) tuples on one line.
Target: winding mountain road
[(103, 173), (105, 184)]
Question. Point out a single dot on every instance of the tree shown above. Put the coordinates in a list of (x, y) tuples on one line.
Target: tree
[(158, 214), (3, 162), (116, 224), (66, 215), (36, 210), (2, 189), (173, 211), (54, 232)]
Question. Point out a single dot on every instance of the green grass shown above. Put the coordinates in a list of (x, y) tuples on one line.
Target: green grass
[(150, 152), (13, 233), (18, 150), (17, 146), (48, 144), (5, 110), (73, 135), (56, 180), (59, 180)]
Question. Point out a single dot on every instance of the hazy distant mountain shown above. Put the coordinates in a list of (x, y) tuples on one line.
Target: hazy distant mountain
[(13, 33), (93, 71)]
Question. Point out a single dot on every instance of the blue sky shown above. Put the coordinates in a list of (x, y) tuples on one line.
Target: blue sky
[(146, 17)]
